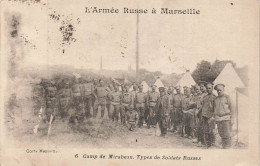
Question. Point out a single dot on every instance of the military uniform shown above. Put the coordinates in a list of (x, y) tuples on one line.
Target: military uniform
[(101, 94), (115, 105), (199, 116), (131, 119), (152, 100), (110, 89), (87, 89), (133, 96), (163, 113), (222, 112), (140, 104), (189, 105), (51, 101), (207, 113), (171, 111), (177, 108), (126, 99), (65, 95), (38, 94), (77, 104)]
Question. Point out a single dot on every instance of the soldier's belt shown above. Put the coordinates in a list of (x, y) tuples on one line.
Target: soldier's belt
[(223, 115), (140, 104), (115, 103), (152, 103), (125, 104)]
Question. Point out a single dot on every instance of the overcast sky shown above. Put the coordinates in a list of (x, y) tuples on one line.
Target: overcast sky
[(167, 43)]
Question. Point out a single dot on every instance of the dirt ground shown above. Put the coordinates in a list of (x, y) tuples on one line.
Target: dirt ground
[(96, 133)]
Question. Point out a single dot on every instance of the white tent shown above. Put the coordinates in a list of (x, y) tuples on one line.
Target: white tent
[(232, 82), (158, 83), (229, 78), (186, 80), (146, 87)]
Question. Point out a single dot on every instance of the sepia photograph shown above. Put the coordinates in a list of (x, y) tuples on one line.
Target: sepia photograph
[(129, 76)]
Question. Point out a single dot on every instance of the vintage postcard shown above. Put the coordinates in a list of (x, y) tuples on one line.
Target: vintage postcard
[(129, 82)]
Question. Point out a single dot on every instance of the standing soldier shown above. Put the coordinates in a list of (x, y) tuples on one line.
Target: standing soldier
[(177, 109), (93, 99), (115, 97), (100, 94), (65, 95), (126, 99), (140, 104), (51, 101), (110, 90), (203, 92), (196, 97), (207, 111), (153, 97), (189, 106), (163, 111), (171, 112), (133, 95), (88, 89), (222, 113), (77, 116)]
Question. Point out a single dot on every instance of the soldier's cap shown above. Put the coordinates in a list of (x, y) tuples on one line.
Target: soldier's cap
[(178, 87), (131, 107), (161, 89), (100, 80), (52, 82), (219, 85), (202, 83), (185, 87), (196, 87), (209, 84)]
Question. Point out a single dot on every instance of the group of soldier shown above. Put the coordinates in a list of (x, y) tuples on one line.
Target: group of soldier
[(191, 114)]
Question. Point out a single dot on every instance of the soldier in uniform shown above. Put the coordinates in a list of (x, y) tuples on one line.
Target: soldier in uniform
[(93, 99), (110, 90), (203, 92), (196, 98), (77, 115), (88, 89), (51, 101), (153, 96), (177, 108), (131, 118), (65, 96), (170, 96), (140, 104), (163, 111), (115, 97), (100, 94), (207, 112), (126, 99), (222, 114), (189, 106), (133, 95)]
